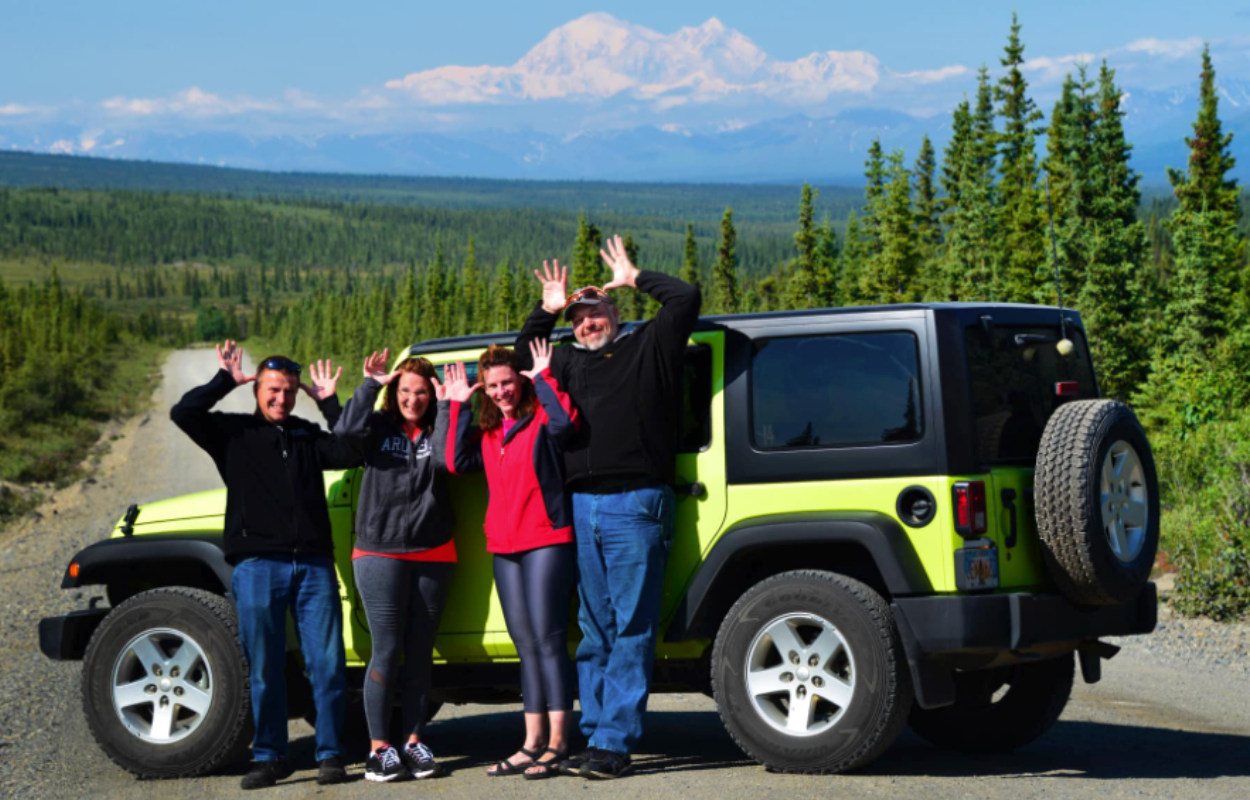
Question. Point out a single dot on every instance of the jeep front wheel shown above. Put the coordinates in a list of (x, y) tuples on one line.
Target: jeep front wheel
[(809, 675), (165, 687), (999, 710)]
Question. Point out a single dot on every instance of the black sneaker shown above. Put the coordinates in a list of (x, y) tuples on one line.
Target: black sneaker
[(606, 764), (420, 761), (331, 770), (570, 766), (265, 773), (383, 765)]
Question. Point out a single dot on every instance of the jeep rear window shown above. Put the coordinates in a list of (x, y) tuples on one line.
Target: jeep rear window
[(836, 391), (1013, 372)]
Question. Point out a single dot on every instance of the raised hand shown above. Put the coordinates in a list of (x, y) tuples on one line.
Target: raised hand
[(375, 367), (230, 358), (624, 273), (323, 385), (540, 349), (555, 281), (456, 384)]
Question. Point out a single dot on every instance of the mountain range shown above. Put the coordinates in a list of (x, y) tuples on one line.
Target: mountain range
[(597, 99)]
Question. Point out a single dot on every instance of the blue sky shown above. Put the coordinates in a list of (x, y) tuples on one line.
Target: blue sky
[(57, 53)]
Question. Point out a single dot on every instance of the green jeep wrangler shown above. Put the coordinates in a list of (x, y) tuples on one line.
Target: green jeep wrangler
[(914, 514)]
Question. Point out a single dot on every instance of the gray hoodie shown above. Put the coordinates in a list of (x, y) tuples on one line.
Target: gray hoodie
[(404, 505)]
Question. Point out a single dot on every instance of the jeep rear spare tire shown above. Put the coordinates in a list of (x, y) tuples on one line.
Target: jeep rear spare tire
[(809, 675), (165, 688), (1096, 497)]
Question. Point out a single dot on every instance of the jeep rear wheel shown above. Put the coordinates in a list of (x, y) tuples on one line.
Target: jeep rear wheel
[(164, 687), (999, 710), (1096, 497), (809, 675)]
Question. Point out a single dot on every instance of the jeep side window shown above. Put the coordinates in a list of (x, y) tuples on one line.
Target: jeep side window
[(836, 390), (696, 399)]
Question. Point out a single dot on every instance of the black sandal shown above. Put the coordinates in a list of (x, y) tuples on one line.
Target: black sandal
[(506, 767), (549, 768)]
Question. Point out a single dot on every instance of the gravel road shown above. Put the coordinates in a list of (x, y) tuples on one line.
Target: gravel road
[(1171, 717)]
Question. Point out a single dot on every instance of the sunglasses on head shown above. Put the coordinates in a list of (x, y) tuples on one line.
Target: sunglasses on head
[(588, 293), (281, 364)]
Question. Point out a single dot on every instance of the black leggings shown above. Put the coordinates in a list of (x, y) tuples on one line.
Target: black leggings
[(536, 590), (403, 602)]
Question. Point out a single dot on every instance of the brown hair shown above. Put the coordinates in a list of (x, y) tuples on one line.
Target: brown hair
[(390, 401), (489, 416)]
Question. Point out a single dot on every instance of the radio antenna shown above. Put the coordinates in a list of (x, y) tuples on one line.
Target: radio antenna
[(1064, 345)]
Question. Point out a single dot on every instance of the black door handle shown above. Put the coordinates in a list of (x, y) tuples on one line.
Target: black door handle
[(1009, 503)]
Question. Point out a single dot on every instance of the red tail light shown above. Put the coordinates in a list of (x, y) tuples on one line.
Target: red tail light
[(971, 515), (1067, 389)]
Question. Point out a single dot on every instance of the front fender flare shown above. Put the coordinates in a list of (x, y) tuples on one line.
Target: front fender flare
[(100, 561)]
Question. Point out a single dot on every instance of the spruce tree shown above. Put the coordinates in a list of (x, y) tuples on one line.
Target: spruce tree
[(432, 324), (891, 271), (854, 254), (875, 175), (1070, 155), (953, 155), (928, 232), (827, 253), (725, 273), (802, 286), (690, 262), (1020, 202), (587, 266), (1115, 298)]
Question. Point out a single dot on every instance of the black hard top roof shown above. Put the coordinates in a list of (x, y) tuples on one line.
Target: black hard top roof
[(968, 312)]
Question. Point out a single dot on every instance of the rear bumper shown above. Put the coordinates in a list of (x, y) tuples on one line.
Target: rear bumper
[(65, 638), (937, 631)]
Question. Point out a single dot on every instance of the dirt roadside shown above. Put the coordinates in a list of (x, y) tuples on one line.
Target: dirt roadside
[(1166, 720)]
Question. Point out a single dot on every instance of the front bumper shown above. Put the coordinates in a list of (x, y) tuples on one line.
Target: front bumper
[(65, 638), (935, 629)]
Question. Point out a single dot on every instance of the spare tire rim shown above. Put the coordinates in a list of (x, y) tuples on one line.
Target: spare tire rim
[(162, 686), (800, 674), (1125, 502)]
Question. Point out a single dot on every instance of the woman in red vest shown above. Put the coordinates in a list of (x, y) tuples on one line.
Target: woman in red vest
[(529, 529)]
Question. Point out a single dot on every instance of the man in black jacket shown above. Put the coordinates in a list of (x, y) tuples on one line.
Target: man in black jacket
[(627, 387), (277, 535)]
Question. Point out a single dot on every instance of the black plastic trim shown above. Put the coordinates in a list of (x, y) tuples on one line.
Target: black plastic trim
[(881, 536), (65, 638), (96, 562), (1015, 621)]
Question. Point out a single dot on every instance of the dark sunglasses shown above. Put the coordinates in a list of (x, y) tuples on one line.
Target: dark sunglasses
[(589, 293), (282, 365)]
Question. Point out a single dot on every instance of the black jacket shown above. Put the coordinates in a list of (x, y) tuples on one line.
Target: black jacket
[(404, 506), (628, 393), (275, 492)]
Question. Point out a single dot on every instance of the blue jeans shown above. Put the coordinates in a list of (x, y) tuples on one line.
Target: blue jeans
[(264, 588), (622, 546)]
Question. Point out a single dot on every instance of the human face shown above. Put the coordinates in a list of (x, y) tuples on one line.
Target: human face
[(275, 395), (503, 387), (595, 326), (413, 396)]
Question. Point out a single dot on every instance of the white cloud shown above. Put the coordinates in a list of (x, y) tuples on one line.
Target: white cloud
[(1164, 48), (14, 110), (926, 76), (62, 147), (190, 102)]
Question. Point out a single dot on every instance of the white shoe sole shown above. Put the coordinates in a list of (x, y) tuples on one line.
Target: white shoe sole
[(373, 777)]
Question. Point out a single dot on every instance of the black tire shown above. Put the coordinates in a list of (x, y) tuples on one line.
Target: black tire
[(837, 740), (205, 742), (1076, 544), (1036, 695)]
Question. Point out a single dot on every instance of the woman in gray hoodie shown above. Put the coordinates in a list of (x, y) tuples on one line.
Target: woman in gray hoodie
[(404, 554)]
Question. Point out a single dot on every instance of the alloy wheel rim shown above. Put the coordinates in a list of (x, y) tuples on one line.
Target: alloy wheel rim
[(799, 674), (162, 686), (1124, 501)]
